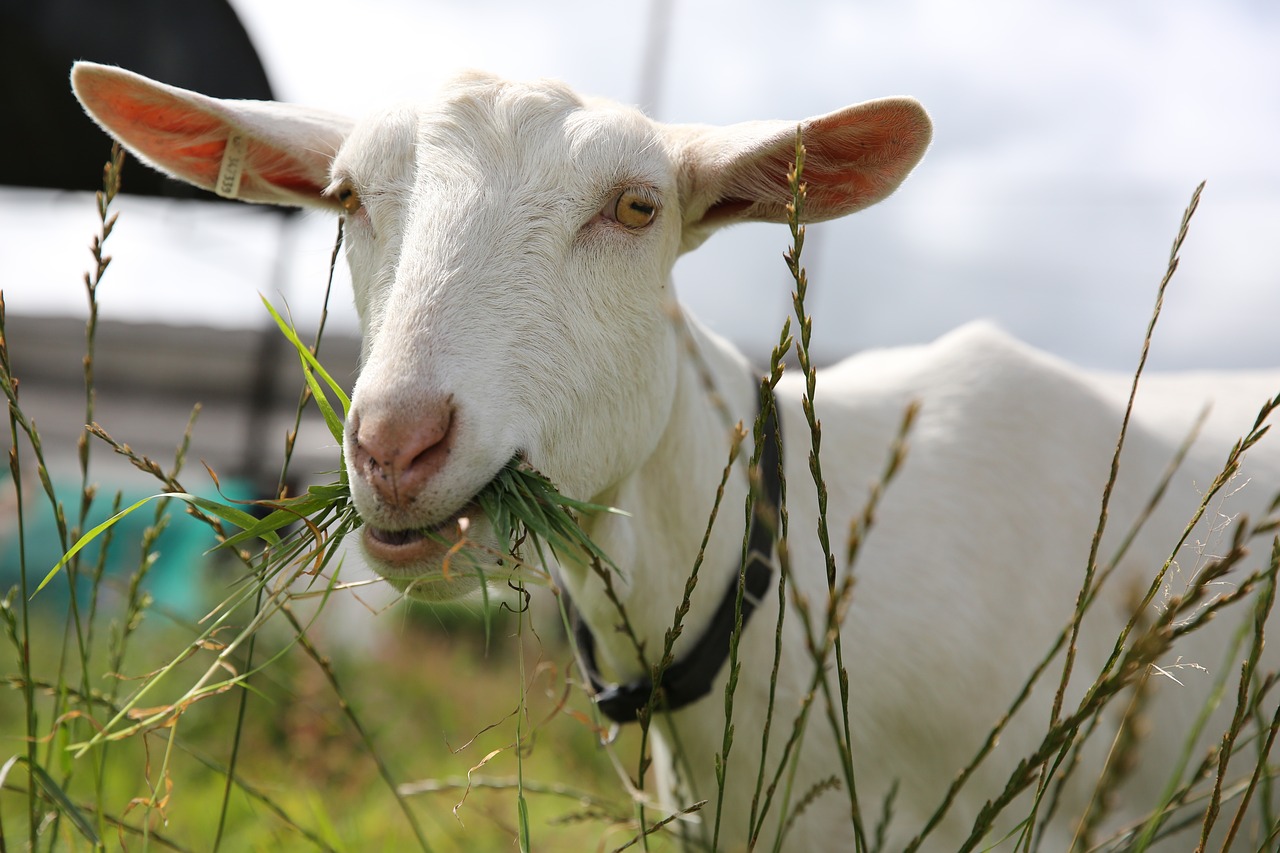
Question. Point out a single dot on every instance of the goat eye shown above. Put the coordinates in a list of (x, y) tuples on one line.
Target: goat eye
[(348, 197), (634, 208)]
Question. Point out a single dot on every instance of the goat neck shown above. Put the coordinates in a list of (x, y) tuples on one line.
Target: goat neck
[(669, 499)]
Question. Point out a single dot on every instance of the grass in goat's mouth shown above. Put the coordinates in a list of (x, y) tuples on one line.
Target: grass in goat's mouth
[(520, 500)]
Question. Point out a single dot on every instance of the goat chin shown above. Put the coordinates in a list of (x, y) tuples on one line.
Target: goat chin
[(511, 248)]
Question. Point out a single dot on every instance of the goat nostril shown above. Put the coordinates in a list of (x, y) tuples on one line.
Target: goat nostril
[(398, 453), (440, 440)]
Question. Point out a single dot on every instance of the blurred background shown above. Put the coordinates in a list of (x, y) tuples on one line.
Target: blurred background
[(1069, 136)]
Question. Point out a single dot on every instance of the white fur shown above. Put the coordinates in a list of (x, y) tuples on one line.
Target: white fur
[(502, 308)]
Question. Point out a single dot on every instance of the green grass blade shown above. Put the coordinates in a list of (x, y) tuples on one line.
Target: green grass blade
[(40, 778), (89, 537), (238, 517), (287, 512), (308, 357), (331, 419), (227, 513)]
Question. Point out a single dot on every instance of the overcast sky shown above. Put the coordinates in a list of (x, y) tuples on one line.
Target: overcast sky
[(1068, 138)]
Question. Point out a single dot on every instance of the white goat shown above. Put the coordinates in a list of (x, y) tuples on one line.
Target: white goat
[(511, 248)]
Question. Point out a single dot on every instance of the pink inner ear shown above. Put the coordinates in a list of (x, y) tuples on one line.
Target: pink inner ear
[(173, 134), (831, 183), (155, 111), (274, 174), (198, 162), (834, 184), (854, 158)]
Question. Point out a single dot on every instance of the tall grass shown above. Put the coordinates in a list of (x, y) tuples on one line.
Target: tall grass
[(129, 762)]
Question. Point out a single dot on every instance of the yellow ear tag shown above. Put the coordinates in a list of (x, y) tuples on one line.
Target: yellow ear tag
[(228, 185)]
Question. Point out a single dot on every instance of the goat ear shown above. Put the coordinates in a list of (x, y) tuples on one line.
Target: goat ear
[(854, 158), (258, 151)]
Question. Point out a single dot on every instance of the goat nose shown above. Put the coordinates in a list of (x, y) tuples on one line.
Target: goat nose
[(398, 452)]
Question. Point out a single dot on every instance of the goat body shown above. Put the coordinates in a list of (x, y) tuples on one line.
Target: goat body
[(511, 248)]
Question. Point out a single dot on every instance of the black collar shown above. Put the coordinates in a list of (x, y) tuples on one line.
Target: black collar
[(689, 679)]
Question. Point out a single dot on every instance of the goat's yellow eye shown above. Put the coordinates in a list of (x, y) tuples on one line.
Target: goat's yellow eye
[(348, 197), (635, 208)]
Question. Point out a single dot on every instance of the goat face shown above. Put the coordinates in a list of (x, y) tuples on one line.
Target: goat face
[(510, 248)]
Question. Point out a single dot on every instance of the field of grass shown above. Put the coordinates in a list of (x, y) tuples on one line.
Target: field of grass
[(434, 703)]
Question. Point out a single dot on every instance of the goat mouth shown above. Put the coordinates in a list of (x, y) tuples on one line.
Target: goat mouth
[(419, 544)]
